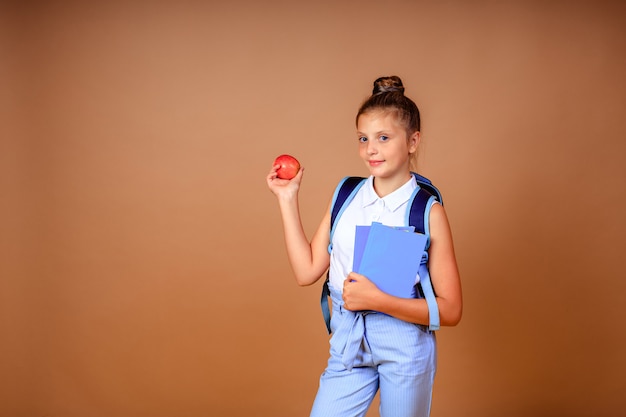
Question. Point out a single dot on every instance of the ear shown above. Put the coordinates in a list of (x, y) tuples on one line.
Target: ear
[(414, 141)]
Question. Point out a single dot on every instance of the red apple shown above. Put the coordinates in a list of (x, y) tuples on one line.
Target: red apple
[(289, 166)]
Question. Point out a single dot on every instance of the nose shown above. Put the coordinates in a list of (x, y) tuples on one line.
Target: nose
[(372, 149)]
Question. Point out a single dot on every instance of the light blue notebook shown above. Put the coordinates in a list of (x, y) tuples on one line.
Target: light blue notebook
[(389, 256)]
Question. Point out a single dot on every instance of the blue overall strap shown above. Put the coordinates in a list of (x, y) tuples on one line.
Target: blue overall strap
[(418, 215), (344, 193)]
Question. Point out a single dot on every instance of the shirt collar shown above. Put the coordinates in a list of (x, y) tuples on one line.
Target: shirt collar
[(394, 200)]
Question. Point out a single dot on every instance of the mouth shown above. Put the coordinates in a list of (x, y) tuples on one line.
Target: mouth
[(374, 163)]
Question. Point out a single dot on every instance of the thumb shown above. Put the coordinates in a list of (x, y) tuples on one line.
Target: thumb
[(299, 174), (353, 276)]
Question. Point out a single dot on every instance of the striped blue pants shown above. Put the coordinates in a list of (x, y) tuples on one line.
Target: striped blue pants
[(371, 351)]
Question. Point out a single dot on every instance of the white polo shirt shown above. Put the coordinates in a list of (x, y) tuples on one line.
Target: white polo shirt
[(365, 208)]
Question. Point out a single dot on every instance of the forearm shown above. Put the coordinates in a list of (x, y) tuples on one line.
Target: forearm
[(307, 267), (415, 310)]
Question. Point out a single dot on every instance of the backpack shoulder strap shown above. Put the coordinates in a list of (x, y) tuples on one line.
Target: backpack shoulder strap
[(427, 184), (418, 214), (344, 193), (421, 203)]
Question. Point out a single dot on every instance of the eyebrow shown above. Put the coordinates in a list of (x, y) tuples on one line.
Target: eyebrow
[(380, 132)]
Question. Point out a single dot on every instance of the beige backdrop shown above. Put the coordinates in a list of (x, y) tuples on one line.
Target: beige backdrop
[(143, 272)]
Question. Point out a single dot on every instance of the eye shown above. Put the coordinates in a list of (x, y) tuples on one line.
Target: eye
[(383, 138), (362, 139)]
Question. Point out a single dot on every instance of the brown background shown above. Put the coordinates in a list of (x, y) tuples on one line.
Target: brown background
[(143, 271)]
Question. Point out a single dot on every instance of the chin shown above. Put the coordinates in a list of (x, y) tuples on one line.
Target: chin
[(379, 173)]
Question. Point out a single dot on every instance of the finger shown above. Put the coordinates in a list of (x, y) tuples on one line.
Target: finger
[(270, 177), (274, 169)]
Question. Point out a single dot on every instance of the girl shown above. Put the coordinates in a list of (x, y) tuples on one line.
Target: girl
[(369, 351)]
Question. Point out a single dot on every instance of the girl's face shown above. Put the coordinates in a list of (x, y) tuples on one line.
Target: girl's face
[(384, 146)]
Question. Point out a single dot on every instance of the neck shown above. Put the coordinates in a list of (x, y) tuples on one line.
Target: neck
[(387, 185)]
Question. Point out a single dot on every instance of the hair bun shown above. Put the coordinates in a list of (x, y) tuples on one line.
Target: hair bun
[(388, 85)]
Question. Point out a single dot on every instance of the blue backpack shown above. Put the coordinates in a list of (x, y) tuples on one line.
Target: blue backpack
[(417, 215)]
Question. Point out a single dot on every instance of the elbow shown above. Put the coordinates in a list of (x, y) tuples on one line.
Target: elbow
[(305, 281), (451, 317), (454, 320)]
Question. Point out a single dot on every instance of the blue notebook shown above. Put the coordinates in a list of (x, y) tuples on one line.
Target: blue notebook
[(389, 256)]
